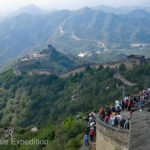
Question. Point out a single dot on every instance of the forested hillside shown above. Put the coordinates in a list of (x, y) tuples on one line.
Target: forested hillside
[(141, 76), (50, 102), (35, 99)]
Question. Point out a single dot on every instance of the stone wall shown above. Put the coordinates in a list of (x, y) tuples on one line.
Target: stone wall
[(137, 138), (109, 137), (140, 130)]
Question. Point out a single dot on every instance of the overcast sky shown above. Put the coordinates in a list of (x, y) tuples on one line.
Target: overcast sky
[(12, 5)]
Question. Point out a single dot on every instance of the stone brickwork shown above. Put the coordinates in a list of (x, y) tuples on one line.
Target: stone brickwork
[(109, 137), (140, 131)]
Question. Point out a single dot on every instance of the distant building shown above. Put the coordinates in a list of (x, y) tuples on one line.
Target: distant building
[(134, 61), (131, 62)]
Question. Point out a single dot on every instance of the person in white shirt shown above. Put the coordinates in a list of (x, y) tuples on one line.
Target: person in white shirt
[(92, 123), (94, 115), (119, 117)]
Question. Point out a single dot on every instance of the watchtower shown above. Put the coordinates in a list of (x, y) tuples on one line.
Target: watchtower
[(134, 61), (50, 46)]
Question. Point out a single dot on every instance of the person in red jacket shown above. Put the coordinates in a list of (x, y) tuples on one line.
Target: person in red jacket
[(91, 133)]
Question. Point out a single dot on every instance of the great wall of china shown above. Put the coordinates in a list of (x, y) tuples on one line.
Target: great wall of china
[(137, 138), (130, 62), (109, 137)]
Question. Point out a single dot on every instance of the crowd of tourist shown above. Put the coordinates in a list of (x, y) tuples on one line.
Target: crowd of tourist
[(90, 121), (91, 129), (113, 114)]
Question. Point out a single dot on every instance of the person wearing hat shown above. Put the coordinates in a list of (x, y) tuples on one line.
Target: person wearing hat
[(113, 118)]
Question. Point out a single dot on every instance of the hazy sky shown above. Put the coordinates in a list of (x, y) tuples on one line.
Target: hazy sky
[(11, 5)]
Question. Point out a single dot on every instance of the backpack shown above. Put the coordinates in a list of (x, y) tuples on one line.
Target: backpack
[(91, 132), (113, 109), (116, 121), (118, 109)]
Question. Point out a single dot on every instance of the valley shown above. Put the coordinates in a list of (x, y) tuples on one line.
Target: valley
[(97, 36)]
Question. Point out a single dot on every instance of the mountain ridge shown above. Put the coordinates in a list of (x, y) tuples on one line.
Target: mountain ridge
[(26, 33), (46, 61)]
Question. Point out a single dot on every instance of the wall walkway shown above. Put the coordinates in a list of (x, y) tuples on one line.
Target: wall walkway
[(140, 130)]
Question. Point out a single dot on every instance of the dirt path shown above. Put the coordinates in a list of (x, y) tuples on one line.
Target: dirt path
[(84, 147), (92, 144)]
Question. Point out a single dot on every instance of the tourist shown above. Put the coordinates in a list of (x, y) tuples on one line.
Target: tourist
[(122, 122), (113, 118), (102, 114), (90, 118), (126, 103), (113, 109), (91, 133), (107, 118), (129, 105), (140, 104), (117, 109), (86, 140), (118, 117), (94, 115), (126, 125), (122, 104), (116, 121), (92, 128)]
